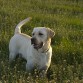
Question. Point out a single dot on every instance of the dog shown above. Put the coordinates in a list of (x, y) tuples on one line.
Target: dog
[(36, 50)]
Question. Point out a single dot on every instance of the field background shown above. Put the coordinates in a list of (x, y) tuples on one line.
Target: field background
[(65, 17)]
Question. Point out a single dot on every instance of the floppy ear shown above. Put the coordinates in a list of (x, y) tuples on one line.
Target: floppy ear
[(50, 32)]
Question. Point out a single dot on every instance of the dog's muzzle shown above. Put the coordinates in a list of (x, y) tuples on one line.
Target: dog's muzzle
[(35, 43)]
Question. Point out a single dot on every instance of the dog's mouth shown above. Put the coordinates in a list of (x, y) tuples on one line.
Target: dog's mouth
[(38, 46)]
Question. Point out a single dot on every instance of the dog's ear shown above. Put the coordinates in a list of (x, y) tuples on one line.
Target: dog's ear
[(50, 32)]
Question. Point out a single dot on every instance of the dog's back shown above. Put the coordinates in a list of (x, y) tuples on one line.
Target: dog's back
[(19, 41)]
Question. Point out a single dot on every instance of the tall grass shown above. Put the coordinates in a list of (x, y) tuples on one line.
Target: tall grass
[(65, 18)]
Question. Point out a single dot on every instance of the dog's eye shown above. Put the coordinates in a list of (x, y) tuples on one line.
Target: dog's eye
[(40, 34)]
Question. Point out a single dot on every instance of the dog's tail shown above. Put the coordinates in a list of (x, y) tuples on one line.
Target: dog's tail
[(17, 29)]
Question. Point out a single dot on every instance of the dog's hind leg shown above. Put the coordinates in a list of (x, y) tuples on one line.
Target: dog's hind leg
[(12, 56)]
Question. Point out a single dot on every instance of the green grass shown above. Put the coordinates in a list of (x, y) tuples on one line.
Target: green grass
[(65, 17)]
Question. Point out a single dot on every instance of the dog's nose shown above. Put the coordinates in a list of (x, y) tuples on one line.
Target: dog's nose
[(33, 40)]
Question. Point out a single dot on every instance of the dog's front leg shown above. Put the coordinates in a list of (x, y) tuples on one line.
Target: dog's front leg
[(29, 66), (43, 71)]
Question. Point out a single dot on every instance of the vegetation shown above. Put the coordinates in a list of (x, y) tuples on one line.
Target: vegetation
[(65, 17)]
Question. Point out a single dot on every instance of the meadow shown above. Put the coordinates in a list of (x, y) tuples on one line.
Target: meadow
[(65, 17)]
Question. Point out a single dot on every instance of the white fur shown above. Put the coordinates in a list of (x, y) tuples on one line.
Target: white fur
[(21, 44)]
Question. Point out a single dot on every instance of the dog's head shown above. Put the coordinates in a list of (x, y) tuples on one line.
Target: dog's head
[(40, 36)]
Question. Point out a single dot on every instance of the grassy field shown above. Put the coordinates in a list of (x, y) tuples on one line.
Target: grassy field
[(65, 17)]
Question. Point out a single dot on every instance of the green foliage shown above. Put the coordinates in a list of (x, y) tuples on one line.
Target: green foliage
[(65, 17)]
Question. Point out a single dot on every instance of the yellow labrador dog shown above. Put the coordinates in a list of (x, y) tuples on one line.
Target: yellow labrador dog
[(36, 50)]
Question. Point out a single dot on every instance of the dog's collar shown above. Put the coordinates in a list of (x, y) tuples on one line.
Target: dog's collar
[(45, 51)]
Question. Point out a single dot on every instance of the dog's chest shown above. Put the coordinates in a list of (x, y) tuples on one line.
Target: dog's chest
[(41, 58)]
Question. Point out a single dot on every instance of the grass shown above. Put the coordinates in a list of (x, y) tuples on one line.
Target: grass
[(65, 18)]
